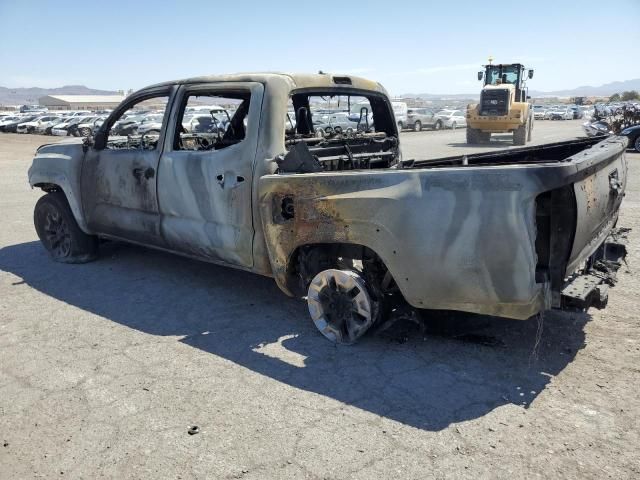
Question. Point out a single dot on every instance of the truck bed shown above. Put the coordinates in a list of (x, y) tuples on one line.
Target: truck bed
[(496, 233)]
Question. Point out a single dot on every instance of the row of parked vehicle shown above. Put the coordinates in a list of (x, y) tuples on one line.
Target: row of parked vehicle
[(561, 112), (212, 119), (67, 123)]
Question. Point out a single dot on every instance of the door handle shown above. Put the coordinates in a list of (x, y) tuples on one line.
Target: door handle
[(221, 181), (139, 172)]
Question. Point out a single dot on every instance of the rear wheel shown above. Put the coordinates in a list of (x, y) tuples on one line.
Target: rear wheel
[(454, 125), (59, 232), (636, 145), (400, 126), (417, 126), (520, 135), (341, 305), (438, 125)]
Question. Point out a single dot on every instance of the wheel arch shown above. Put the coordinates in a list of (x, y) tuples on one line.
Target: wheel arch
[(62, 185), (306, 260)]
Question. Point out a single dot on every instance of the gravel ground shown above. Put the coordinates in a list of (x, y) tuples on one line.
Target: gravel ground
[(104, 367)]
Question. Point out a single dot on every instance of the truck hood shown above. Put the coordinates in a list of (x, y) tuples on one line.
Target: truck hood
[(71, 146)]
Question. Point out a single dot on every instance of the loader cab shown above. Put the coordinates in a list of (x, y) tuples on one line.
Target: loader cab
[(507, 74)]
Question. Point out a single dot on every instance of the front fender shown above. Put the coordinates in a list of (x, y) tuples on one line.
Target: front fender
[(60, 166)]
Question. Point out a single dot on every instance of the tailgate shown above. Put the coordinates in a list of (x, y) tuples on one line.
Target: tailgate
[(599, 188)]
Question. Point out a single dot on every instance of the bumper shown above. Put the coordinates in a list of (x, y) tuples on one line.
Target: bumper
[(494, 124), (59, 133)]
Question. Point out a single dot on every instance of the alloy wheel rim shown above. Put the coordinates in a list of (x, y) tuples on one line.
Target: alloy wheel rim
[(340, 305), (57, 234)]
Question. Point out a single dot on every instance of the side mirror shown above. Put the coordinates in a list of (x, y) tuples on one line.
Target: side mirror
[(99, 140), (530, 73), (481, 74)]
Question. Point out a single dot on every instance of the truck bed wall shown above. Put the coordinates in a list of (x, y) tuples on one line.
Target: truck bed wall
[(453, 238)]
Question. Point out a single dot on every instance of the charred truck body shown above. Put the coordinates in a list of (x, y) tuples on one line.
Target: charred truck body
[(340, 219)]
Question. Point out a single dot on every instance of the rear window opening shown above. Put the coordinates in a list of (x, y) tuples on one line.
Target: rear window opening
[(329, 131)]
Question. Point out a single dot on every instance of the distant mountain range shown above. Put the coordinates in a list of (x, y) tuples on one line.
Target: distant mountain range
[(584, 91), (21, 96)]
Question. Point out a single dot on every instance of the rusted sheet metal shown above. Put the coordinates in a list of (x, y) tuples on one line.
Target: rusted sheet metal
[(453, 238)]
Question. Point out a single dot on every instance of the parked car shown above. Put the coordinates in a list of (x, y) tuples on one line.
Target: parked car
[(418, 118), (633, 134), (74, 128), (452, 118), (150, 124), (539, 111), (67, 127), (577, 112), (338, 122), (560, 113), (32, 126), (88, 126), (46, 127), (9, 119), (12, 125), (332, 220)]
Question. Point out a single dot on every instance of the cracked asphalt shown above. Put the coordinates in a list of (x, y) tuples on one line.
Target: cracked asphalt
[(104, 367)]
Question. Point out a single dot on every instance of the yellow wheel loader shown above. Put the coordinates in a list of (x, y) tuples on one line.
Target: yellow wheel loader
[(504, 105)]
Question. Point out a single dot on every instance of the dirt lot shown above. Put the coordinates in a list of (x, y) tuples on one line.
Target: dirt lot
[(105, 366)]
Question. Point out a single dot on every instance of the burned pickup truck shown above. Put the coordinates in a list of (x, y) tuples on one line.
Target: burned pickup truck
[(340, 218)]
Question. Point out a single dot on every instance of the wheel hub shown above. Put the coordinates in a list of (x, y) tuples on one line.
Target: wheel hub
[(57, 234), (340, 305)]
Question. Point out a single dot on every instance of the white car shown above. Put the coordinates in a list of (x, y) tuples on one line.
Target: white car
[(85, 129), (562, 112), (32, 126), (150, 124), (62, 129), (452, 118), (539, 111)]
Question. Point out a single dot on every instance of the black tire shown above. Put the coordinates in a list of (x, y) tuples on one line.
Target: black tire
[(473, 136), (520, 134), (59, 232), (636, 144), (417, 126), (400, 126), (454, 125), (438, 125)]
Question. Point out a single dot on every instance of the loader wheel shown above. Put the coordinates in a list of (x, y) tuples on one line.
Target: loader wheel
[(520, 135), (341, 305), (59, 232), (473, 135)]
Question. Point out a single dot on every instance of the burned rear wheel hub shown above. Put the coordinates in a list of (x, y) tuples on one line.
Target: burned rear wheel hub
[(340, 305)]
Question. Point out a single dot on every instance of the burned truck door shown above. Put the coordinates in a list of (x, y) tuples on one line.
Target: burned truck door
[(206, 171), (119, 171)]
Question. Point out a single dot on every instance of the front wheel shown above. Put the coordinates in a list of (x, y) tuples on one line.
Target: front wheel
[(59, 232), (400, 126), (438, 125), (520, 134), (417, 126), (636, 145)]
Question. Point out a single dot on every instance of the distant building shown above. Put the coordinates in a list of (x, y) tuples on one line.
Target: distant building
[(80, 102)]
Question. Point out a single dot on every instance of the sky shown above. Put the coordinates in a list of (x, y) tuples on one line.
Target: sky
[(409, 46)]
